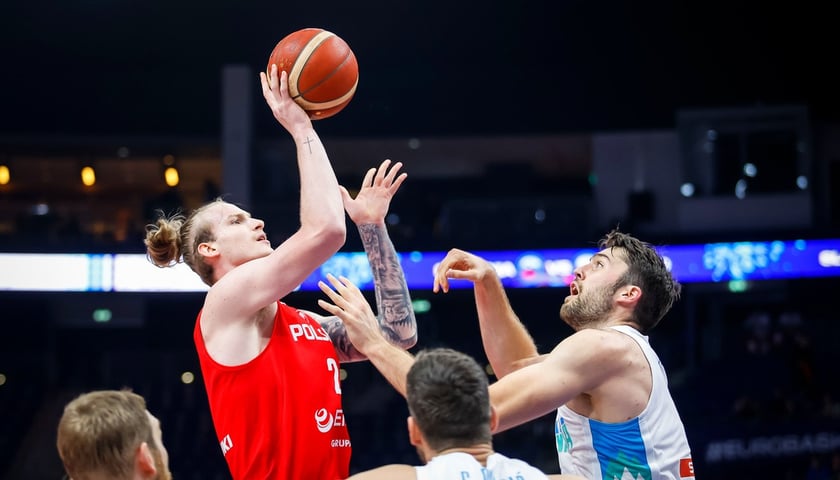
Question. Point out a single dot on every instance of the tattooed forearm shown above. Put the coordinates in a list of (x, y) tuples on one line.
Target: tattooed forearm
[(343, 347), (393, 301)]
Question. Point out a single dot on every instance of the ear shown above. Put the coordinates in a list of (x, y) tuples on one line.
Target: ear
[(206, 249), (628, 295), (144, 461), (494, 419), (415, 437)]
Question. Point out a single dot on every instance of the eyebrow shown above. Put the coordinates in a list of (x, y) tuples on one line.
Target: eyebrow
[(238, 216), (599, 254)]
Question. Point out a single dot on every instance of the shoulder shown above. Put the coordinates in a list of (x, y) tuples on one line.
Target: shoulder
[(505, 467), (315, 316), (592, 348), (598, 341)]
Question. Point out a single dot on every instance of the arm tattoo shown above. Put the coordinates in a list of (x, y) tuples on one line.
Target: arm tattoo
[(393, 302), (343, 347), (308, 143)]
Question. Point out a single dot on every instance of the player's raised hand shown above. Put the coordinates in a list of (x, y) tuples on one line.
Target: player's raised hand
[(275, 89), (374, 198), (461, 265), (353, 309)]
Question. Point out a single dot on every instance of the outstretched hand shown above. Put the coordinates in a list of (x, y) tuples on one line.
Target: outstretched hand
[(462, 265), (354, 311), (275, 89), (378, 188)]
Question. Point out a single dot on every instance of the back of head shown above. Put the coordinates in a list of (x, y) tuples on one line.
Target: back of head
[(646, 269), (100, 432), (174, 238), (448, 397)]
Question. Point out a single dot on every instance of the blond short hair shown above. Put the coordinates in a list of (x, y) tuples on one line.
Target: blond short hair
[(100, 432)]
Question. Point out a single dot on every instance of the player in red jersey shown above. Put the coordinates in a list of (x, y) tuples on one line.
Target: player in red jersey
[(272, 371)]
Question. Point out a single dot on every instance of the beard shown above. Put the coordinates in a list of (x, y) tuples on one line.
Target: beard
[(588, 308)]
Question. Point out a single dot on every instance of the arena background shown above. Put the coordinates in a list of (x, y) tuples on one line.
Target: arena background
[(522, 126)]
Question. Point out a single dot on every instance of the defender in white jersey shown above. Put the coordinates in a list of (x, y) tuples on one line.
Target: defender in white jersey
[(615, 415), (606, 450), (451, 418), (463, 466)]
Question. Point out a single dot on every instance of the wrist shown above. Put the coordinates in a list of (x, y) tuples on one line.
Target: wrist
[(365, 226), (489, 279), (378, 349), (303, 133)]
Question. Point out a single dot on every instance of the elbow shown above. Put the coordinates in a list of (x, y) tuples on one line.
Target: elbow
[(410, 342), (408, 337), (322, 241), (332, 236)]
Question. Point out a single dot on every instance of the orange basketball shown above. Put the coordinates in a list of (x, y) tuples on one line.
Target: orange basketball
[(322, 70)]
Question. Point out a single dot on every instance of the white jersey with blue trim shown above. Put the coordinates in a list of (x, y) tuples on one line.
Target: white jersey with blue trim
[(651, 446), (463, 466)]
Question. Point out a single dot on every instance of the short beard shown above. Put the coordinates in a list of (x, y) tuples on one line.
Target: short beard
[(583, 311)]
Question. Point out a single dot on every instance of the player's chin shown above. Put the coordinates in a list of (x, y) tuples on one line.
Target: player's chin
[(262, 251)]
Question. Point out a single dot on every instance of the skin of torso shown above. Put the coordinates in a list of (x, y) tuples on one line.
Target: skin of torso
[(623, 396)]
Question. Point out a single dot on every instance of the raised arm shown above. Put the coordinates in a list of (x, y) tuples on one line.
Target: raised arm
[(507, 343), (393, 302), (254, 284)]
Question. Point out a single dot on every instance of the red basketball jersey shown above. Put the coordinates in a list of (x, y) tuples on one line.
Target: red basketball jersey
[(279, 416)]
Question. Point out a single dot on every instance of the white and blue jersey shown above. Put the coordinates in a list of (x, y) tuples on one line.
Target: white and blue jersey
[(651, 446), (463, 466)]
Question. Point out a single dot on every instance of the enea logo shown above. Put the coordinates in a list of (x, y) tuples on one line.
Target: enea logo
[(325, 420)]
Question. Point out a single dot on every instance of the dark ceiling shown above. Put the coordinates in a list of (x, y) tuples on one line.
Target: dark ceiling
[(137, 67)]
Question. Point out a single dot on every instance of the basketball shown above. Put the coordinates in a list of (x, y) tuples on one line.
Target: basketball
[(321, 68)]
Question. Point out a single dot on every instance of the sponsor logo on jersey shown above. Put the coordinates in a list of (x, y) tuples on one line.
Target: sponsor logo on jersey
[(325, 420), (226, 444), (686, 468)]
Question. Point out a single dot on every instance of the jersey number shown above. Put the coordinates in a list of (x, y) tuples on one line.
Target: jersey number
[(332, 366)]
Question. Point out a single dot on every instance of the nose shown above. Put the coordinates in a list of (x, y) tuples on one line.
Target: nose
[(258, 224), (579, 272)]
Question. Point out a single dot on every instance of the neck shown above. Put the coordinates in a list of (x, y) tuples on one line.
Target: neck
[(480, 452), (616, 317)]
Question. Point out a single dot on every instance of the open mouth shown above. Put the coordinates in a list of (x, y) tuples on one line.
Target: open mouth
[(573, 289)]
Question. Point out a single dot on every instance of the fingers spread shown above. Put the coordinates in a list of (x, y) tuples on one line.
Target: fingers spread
[(329, 307), (396, 185), (380, 173), (393, 172), (335, 297)]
